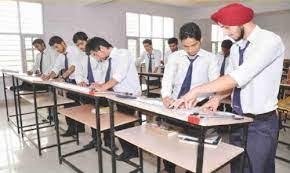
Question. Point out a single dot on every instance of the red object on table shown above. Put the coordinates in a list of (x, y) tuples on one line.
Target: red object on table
[(193, 119)]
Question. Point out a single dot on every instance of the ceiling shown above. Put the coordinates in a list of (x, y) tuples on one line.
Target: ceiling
[(181, 3)]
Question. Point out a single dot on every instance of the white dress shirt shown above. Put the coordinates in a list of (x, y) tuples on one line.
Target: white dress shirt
[(123, 70), (74, 57), (156, 60), (205, 69), (260, 74), (220, 58), (166, 55), (48, 61), (81, 72)]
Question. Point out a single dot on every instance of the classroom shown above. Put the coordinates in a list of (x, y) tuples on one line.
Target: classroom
[(144, 86)]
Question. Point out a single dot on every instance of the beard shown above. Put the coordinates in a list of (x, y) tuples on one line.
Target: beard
[(242, 33)]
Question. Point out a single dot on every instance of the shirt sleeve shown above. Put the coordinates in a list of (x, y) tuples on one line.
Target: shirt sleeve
[(80, 71), (168, 77), (263, 56), (213, 72), (52, 56), (121, 70), (36, 63), (58, 64)]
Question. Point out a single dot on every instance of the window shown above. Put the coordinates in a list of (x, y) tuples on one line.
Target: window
[(217, 36), (20, 23), (142, 26)]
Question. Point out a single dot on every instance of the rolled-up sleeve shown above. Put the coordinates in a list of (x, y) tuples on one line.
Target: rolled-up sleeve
[(259, 60)]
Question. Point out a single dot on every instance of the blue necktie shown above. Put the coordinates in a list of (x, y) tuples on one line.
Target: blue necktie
[(150, 63), (90, 75), (222, 71), (65, 61), (108, 74), (187, 80), (237, 107), (41, 59)]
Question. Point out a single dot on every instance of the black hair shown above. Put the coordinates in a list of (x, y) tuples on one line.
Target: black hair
[(55, 40), (172, 40), (95, 43), (147, 41), (227, 44), (80, 36), (38, 41), (190, 30)]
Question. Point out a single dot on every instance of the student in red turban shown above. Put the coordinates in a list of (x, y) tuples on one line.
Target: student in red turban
[(253, 81)]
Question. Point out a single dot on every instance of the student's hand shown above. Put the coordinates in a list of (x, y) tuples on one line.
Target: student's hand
[(189, 100), (94, 85), (29, 72), (167, 101), (211, 105), (83, 84), (45, 77), (59, 79)]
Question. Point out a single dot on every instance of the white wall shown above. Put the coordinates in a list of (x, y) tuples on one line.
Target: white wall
[(107, 20)]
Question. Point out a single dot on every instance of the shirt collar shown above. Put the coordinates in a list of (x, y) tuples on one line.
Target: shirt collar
[(252, 38), (199, 53), (113, 53)]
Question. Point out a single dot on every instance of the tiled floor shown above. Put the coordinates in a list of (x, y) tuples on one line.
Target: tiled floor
[(19, 155)]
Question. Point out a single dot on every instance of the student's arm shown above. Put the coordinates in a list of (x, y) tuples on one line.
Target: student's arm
[(168, 82), (35, 66), (110, 84), (69, 71), (219, 85)]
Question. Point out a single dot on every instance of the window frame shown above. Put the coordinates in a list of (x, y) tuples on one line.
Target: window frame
[(22, 36), (138, 52)]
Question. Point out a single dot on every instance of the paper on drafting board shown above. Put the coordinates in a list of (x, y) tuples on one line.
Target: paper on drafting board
[(158, 102), (72, 87), (151, 101)]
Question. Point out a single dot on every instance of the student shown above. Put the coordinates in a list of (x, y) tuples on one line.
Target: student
[(223, 58), (42, 65), (256, 62), (87, 74), (152, 58), (186, 69), (120, 76), (63, 70), (173, 45), (44, 60)]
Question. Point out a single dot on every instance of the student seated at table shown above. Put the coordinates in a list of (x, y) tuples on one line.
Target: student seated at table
[(87, 74), (187, 68), (119, 76), (152, 59), (63, 70)]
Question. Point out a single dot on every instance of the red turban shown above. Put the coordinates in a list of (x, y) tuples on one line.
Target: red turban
[(233, 15)]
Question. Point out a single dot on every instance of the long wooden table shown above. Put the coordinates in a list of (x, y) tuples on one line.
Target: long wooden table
[(40, 101), (147, 76), (201, 159)]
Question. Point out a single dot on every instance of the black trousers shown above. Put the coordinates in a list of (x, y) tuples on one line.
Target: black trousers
[(72, 124)]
